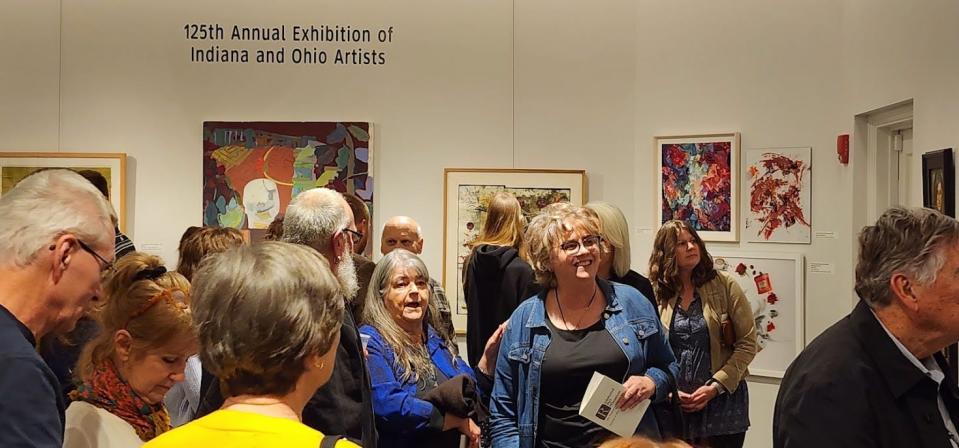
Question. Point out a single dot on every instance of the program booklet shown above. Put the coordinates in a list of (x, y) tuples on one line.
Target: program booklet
[(599, 406)]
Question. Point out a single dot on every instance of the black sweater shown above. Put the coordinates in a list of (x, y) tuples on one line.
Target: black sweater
[(496, 280)]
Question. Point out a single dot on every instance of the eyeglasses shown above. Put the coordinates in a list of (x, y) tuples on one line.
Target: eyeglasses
[(105, 266), (588, 242), (356, 236)]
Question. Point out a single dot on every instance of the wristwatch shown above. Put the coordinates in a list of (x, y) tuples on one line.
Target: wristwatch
[(720, 389)]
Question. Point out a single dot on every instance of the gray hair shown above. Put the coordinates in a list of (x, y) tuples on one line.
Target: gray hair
[(313, 217), (411, 357), (615, 232), (261, 311), (910, 241), (47, 204)]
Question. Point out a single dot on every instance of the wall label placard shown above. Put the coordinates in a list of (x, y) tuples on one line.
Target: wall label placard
[(326, 44), (819, 267)]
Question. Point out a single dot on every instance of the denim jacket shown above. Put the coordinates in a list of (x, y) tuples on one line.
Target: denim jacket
[(399, 413), (629, 318)]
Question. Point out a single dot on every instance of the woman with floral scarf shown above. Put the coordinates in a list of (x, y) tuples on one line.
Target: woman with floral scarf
[(145, 339)]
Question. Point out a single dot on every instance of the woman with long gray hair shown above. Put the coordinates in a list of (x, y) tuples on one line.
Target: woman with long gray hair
[(408, 358)]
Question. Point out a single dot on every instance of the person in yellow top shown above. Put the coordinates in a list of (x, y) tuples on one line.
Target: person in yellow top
[(268, 323)]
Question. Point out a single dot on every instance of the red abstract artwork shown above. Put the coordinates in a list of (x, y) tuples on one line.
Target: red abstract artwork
[(779, 195)]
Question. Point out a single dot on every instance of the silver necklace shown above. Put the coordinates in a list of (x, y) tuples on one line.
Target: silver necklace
[(580, 320)]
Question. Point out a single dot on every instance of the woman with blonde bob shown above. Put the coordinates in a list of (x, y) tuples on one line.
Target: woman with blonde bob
[(268, 319), (408, 358), (614, 265), (578, 325), (145, 339), (712, 334), (495, 278)]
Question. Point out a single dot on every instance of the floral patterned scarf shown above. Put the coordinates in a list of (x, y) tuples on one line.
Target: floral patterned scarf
[(106, 390)]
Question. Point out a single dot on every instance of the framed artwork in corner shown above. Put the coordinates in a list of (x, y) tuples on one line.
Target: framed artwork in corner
[(14, 166), (778, 195), (938, 192), (466, 195), (697, 181), (252, 170), (939, 181), (773, 284)]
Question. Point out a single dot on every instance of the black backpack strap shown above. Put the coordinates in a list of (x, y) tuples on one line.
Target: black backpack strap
[(329, 441)]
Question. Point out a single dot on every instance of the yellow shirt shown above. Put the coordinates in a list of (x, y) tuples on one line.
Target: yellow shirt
[(237, 429)]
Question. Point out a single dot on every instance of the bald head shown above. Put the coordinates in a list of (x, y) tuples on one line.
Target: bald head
[(401, 232)]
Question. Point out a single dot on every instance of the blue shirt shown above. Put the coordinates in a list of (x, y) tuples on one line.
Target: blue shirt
[(631, 320), (400, 414), (31, 407)]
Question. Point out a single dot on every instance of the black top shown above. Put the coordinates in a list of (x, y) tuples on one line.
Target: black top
[(568, 365), (32, 410), (62, 352), (638, 281), (495, 281), (341, 407), (852, 387)]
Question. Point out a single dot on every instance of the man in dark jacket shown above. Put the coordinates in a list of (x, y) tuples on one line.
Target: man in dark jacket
[(876, 378), (320, 218)]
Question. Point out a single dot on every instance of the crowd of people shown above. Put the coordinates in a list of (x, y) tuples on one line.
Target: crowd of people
[(301, 341)]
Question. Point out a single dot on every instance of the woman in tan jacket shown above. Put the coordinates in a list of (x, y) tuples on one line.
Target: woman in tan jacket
[(711, 331)]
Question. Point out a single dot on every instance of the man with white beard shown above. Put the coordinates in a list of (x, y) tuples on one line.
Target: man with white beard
[(320, 218)]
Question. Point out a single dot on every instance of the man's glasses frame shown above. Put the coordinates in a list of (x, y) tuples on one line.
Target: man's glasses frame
[(354, 235), (105, 266)]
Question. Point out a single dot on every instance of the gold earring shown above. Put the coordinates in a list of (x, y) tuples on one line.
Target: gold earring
[(319, 365)]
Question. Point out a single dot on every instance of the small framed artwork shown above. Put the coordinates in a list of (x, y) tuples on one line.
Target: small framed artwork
[(14, 166), (778, 195), (466, 196), (697, 178), (939, 181), (773, 284)]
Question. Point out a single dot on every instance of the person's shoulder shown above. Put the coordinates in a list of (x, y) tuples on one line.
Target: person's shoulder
[(832, 362), (371, 331)]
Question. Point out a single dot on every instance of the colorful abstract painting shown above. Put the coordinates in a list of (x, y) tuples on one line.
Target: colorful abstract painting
[(773, 284), (698, 183), (468, 193), (779, 184), (252, 170)]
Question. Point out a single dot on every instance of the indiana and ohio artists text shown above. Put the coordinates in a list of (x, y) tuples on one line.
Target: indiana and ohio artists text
[(347, 40)]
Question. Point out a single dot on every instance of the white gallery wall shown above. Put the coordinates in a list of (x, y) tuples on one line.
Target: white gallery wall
[(505, 84)]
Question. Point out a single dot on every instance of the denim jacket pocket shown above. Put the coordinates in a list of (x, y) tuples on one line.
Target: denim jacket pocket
[(520, 353), (644, 328)]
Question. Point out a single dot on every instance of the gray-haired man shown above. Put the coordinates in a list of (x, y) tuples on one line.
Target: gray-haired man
[(877, 378)]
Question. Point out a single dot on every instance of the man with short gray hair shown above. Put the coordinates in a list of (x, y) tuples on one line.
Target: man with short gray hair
[(877, 377), (56, 239)]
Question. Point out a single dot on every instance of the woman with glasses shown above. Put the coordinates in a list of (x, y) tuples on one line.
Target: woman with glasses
[(579, 324), (712, 334), (140, 352), (408, 360)]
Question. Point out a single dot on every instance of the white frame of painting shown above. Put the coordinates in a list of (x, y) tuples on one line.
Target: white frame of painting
[(453, 178), (751, 236), (800, 305), (116, 161), (734, 167)]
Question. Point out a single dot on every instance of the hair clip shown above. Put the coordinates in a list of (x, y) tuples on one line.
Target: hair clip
[(150, 273)]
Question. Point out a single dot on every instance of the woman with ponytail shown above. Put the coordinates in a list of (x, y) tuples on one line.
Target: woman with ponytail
[(145, 339)]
